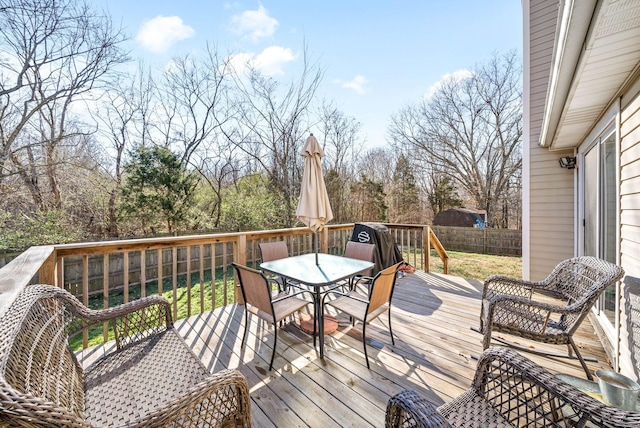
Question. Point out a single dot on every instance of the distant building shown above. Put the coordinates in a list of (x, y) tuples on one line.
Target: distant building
[(458, 217)]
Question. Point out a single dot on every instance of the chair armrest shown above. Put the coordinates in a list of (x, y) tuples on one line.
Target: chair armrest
[(220, 400), (506, 378), (408, 409), (132, 321), (356, 279), (288, 295), (525, 315), (499, 284), (276, 282), (340, 293)]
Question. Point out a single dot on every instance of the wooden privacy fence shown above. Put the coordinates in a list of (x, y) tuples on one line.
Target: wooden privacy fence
[(500, 242)]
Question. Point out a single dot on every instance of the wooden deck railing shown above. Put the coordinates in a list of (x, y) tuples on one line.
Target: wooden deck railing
[(193, 269)]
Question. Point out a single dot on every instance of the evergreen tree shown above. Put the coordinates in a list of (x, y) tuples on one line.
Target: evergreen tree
[(158, 189), (368, 199), (443, 194), (405, 195)]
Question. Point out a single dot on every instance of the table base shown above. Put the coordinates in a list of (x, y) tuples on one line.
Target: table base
[(330, 324)]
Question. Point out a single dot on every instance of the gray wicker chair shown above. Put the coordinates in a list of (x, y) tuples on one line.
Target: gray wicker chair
[(151, 379), (512, 391), (570, 291)]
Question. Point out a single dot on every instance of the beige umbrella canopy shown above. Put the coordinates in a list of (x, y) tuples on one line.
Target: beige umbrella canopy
[(314, 208)]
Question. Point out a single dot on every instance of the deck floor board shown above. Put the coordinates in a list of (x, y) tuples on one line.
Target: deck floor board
[(435, 354)]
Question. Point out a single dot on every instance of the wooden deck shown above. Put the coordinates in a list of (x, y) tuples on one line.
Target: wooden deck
[(432, 316)]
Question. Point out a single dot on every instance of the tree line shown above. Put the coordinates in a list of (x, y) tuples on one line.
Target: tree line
[(92, 147)]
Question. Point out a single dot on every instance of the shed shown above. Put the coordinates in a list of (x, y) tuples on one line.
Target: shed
[(458, 217)]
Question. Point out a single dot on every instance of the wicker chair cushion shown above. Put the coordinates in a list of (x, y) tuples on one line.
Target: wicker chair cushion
[(135, 380), (513, 319), (469, 410)]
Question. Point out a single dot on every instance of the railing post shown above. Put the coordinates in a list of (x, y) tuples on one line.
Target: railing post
[(324, 240), (426, 249), (47, 272), (240, 257)]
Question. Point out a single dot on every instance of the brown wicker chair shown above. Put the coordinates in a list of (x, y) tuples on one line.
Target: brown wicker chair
[(512, 391), (151, 379), (259, 301), (570, 291), (366, 308)]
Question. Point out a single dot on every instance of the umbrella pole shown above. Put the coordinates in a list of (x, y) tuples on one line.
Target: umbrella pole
[(315, 239)]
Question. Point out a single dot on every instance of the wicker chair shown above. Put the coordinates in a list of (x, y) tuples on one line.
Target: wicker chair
[(509, 390), (151, 379), (570, 291)]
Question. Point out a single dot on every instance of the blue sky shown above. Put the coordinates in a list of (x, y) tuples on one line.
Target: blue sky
[(377, 56)]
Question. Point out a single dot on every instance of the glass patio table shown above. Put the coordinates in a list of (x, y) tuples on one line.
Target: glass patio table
[(321, 277)]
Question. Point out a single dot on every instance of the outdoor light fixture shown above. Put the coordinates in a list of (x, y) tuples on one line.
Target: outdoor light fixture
[(568, 162)]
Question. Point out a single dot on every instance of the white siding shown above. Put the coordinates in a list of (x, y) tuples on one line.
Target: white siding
[(551, 188), (630, 231)]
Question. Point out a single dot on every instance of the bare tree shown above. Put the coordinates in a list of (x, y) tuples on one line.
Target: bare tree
[(53, 53), (194, 103), (270, 127), (470, 130), (123, 118), (340, 138), (342, 143)]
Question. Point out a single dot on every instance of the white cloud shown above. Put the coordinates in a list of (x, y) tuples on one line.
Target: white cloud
[(162, 32), (270, 61), (357, 84), (254, 24), (456, 76)]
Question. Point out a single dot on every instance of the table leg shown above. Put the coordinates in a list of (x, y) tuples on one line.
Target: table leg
[(320, 317), (316, 315)]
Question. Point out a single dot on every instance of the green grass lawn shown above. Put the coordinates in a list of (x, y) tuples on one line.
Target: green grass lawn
[(478, 266)]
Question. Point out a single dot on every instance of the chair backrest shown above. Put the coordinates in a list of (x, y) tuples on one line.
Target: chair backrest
[(255, 290), (273, 250), (583, 279), (360, 251), (37, 368), (382, 286)]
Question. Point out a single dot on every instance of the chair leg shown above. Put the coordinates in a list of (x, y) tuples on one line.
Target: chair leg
[(582, 362), (315, 326), (364, 343), (246, 326), (486, 340), (275, 342), (390, 331)]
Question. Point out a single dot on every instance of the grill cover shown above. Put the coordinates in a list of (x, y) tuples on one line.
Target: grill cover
[(387, 252)]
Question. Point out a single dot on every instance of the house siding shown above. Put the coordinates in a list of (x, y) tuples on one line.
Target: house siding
[(630, 230), (551, 196)]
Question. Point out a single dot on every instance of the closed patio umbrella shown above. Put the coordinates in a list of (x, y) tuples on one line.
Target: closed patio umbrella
[(314, 208)]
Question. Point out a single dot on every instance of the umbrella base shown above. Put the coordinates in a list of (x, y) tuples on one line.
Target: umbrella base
[(330, 324)]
